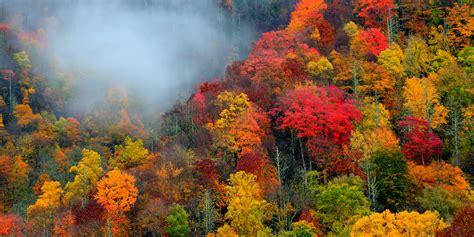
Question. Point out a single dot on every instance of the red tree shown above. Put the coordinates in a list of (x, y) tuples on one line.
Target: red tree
[(271, 51), (375, 12), (8, 74), (463, 223), (207, 172), (325, 113), (421, 144), (371, 41), (10, 225), (260, 166)]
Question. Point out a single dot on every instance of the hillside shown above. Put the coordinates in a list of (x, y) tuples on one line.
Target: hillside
[(237, 118)]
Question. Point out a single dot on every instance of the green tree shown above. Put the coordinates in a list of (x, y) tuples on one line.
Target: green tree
[(391, 179), (178, 221), (341, 203), (441, 200)]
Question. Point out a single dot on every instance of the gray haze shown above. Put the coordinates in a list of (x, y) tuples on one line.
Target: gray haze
[(158, 50)]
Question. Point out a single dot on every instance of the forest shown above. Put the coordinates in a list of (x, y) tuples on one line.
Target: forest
[(291, 118)]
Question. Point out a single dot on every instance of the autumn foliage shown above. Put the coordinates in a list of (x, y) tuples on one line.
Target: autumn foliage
[(341, 118), (421, 144), (326, 113)]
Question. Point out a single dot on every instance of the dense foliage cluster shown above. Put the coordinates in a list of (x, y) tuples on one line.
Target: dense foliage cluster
[(347, 118)]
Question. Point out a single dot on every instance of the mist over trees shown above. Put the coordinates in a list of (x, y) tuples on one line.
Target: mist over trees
[(236, 118)]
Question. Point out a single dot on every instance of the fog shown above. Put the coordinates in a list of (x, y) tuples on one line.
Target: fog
[(157, 50)]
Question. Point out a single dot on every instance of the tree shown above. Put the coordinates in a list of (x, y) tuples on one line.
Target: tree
[(440, 200), (240, 127), (391, 180), (421, 144), (88, 171), (168, 181), (131, 155), (369, 42), (208, 175), (246, 132), (225, 230), (417, 57), (421, 99), (8, 75), (178, 222), (306, 14), (319, 115), (463, 223), (308, 20), (267, 59), (209, 212), (321, 68), (439, 174), (441, 59), (317, 112), (375, 12), (460, 21), (246, 208), (302, 229), (43, 211), (15, 172), (24, 115), (232, 106), (259, 165), (116, 193), (340, 203), (466, 59), (392, 60), (375, 140), (342, 70), (23, 61), (398, 224), (10, 225), (376, 81), (64, 226), (375, 116)]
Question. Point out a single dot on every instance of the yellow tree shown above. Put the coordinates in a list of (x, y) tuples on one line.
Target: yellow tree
[(421, 99), (246, 208), (88, 171), (370, 141), (240, 126), (131, 155), (417, 57), (42, 212), (321, 68), (374, 133), (376, 81), (116, 193), (392, 60), (232, 106), (24, 115), (375, 115), (398, 224)]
